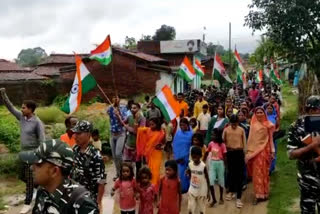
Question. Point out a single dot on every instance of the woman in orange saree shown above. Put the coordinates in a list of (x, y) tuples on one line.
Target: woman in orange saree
[(150, 142), (260, 151)]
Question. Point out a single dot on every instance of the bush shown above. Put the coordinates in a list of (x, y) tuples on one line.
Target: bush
[(103, 125), (9, 131), (60, 100), (58, 130), (9, 164), (51, 114)]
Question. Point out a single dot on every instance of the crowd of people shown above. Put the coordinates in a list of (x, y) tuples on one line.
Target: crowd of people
[(222, 138)]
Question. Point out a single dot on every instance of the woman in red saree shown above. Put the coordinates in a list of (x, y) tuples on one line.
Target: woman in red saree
[(150, 141), (260, 151)]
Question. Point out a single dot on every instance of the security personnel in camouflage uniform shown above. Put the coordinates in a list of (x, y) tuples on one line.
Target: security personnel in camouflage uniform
[(57, 194), (89, 169), (308, 169)]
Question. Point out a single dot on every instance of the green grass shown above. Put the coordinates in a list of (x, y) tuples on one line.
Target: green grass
[(284, 187), (50, 115), (9, 186)]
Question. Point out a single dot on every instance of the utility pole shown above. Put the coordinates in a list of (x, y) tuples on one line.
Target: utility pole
[(230, 66)]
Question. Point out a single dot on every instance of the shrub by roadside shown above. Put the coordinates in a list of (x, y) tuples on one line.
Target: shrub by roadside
[(284, 187)]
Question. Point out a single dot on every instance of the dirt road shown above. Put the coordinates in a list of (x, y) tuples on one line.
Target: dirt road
[(227, 208)]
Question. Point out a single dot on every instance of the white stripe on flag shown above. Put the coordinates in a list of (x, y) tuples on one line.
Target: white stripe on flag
[(186, 70), (73, 101), (105, 54), (164, 101)]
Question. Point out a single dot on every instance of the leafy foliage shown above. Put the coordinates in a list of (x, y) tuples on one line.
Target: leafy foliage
[(291, 24), (212, 49), (31, 56), (50, 115), (130, 43), (9, 164), (9, 131), (264, 52), (60, 100), (146, 38), (164, 33)]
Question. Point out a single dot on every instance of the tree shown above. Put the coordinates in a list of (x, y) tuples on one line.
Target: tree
[(146, 38), (265, 51), (212, 49), (164, 33), (130, 43), (291, 24), (31, 56)]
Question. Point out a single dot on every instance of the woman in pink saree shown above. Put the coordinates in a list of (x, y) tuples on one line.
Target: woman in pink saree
[(260, 152)]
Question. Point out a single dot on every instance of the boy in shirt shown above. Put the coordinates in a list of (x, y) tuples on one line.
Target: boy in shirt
[(204, 119)]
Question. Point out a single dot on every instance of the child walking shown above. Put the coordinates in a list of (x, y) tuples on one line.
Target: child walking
[(204, 119), (199, 185), (217, 150), (235, 139), (170, 190), (168, 129), (146, 190), (197, 140), (127, 189)]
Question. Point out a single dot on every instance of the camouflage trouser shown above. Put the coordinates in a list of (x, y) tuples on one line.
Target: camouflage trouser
[(310, 193)]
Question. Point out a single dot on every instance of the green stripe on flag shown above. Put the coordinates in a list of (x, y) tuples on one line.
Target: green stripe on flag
[(66, 107), (183, 74), (223, 82), (88, 83), (103, 61), (163, 109)]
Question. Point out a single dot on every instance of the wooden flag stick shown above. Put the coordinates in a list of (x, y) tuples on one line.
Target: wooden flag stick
[(104, 94)]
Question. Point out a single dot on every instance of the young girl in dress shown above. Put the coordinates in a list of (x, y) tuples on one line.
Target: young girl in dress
[(217, 151), (127, 189), (170, 191), (146, 190)]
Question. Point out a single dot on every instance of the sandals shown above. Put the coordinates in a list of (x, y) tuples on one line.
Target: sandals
[(239, 203), (230, 196)]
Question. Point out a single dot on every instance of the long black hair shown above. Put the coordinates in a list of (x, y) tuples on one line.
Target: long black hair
[(223, 108)]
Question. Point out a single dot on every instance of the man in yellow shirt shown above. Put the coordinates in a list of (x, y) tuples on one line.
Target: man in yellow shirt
[(198, 105), (183, 105)]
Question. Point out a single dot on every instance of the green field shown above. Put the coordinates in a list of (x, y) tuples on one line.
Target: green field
[(284, 194)]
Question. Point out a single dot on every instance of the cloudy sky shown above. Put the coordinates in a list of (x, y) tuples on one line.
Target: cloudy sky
[(64, 26)]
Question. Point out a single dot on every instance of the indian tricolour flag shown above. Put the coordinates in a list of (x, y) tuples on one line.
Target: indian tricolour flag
[(241, 71), (167, 104), (273, 75), (83, 82), (198, 68), (259, 76), (186, 70), (103, 53), (219, 72)]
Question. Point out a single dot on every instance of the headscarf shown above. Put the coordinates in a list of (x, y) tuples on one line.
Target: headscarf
[(260, 135)]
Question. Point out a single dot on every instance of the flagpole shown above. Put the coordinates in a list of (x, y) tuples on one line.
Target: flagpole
[(113, 78), (213, 68), (104, 94)]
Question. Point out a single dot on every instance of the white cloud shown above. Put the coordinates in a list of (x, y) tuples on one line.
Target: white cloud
[(75, 25)]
